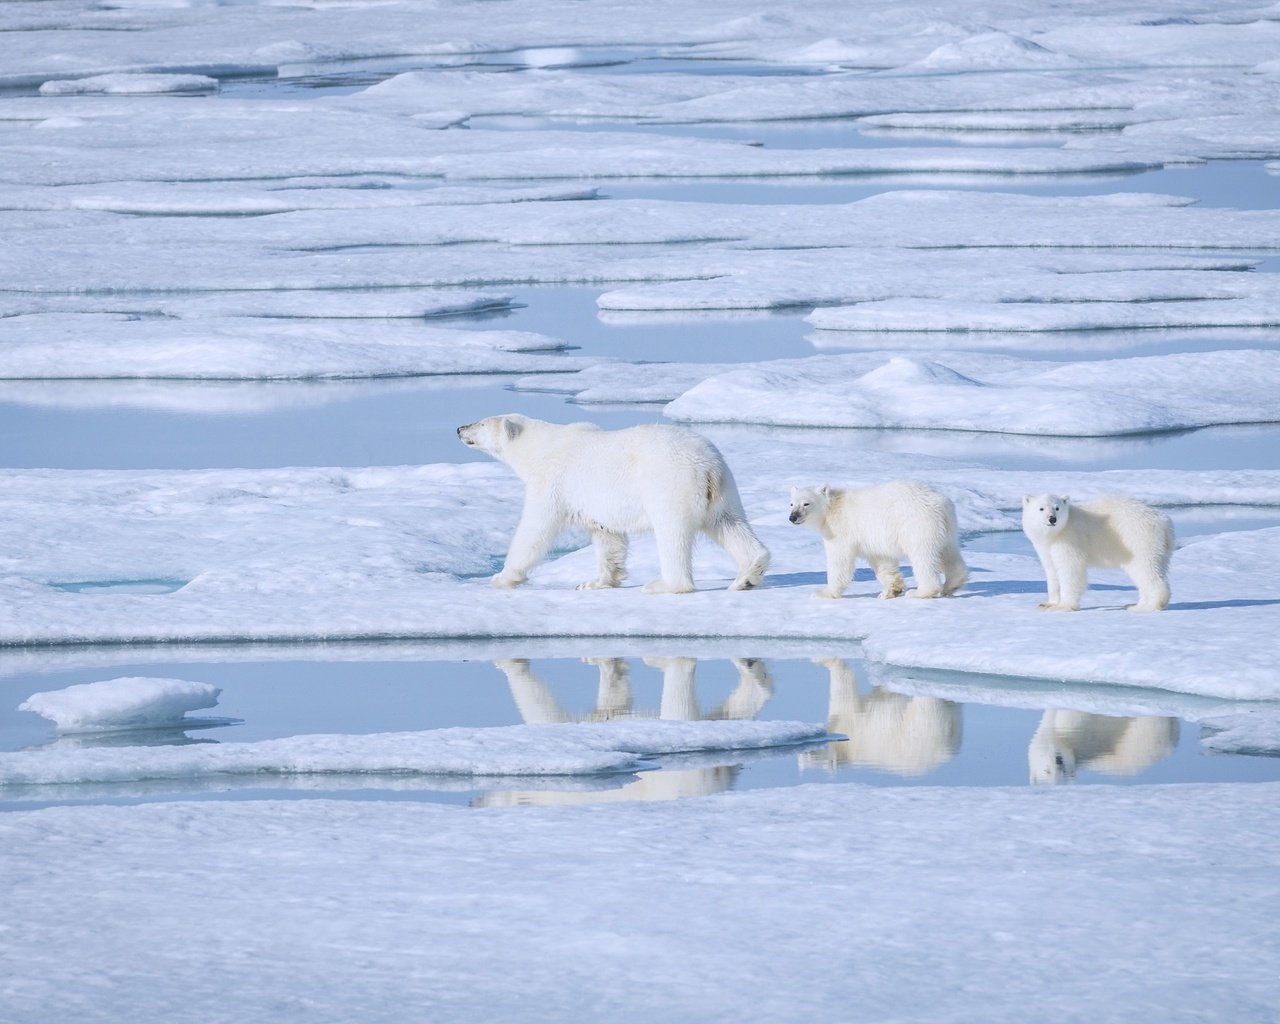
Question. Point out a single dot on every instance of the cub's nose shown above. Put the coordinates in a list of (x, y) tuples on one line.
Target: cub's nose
[(1053, 520), (794, 517)]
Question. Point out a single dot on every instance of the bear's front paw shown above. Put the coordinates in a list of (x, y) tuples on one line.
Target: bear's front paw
[(505, 582), (596, 585), (827, 595)]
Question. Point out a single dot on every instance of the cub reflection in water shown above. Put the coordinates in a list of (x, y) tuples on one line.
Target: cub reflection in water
[(1067, 741), (679, 702), (890, 731)]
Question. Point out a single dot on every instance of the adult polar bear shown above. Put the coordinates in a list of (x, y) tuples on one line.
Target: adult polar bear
[(1110, 531), (613, 483)]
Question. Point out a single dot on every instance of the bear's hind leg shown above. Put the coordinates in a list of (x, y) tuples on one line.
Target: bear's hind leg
[(611, 559), (926, 570), (737, 538), (1153, 591), (954, 569)]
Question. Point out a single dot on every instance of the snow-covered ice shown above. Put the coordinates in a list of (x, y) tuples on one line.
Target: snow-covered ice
[(543, 749), (1148, 899), (127, 703), (324, 554), (994, 393)]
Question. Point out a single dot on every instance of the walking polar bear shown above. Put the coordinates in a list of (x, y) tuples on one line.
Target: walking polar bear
[(1109, 531), (879, 524), (617, 482)]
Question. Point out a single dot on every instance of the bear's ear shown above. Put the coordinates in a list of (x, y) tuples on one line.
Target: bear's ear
[(794, 492), (1026, 499), (1066, 499), (514, 428), (825, 490)]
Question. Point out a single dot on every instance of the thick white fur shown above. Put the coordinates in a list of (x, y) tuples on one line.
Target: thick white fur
[(1109, 531), (1066, 741), (880, 524), (617, 482)]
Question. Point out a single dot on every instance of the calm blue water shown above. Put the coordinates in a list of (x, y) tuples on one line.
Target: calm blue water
[(894, 739)]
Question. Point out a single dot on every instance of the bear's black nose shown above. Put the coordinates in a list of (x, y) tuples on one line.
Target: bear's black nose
[(460, 430), (795, 517), (1053, 520)]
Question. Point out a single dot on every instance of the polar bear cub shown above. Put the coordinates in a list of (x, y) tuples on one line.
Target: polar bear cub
[(879, 524), (1109, 531), (613, 483)]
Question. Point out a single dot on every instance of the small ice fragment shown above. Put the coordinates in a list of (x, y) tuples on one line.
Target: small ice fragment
[(133, 702)]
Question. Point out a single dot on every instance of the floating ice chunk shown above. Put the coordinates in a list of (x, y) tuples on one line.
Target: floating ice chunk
[(1122, 396), (131, 702), (956, 315), (606, 383), (81, 346), (991, 51), (130, 85), (556, 749), (1256, 732)]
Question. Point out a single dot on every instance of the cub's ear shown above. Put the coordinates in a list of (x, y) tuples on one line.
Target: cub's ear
[(1026, 499), (825, 490), (513, 428), (794, 492), (1066, 499)]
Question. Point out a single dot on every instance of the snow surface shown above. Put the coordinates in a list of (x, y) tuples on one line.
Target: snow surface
[(1093, 902)]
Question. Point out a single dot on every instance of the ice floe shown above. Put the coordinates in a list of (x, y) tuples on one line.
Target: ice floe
[(405, 553), (127, 703), (994, 393), (130, 85), (537, 750), (45, 347)]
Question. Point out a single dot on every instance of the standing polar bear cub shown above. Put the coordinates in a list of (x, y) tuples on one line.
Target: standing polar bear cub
[(613, 483), (1109, 531), (880, 524)]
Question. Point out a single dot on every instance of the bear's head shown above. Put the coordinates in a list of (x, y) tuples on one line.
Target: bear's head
[(809, 505), (1044, 513), (493, 434)]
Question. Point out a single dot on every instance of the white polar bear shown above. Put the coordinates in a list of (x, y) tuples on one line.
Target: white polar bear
[(879, 524), (1109, 531), (616, 482)]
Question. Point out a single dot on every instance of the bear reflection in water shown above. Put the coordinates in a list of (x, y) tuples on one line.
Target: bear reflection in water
[(679, 703), (1068, 741), (891, 731)]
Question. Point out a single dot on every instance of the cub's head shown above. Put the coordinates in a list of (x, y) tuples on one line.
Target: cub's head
[(494, 434), (1044, 513), (809, 505)]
